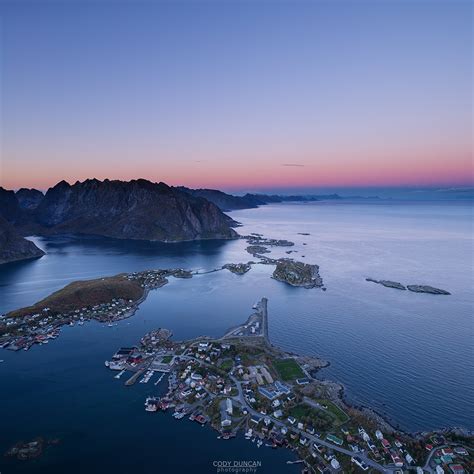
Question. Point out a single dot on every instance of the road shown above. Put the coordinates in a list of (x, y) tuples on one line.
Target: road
[(240, 397)]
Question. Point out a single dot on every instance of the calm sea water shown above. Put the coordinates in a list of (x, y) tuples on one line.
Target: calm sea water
[(408, 355)]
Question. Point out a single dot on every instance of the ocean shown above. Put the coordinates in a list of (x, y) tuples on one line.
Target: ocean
[(407, 355)]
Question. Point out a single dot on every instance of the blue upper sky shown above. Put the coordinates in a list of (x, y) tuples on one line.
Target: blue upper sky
[(237, 95)]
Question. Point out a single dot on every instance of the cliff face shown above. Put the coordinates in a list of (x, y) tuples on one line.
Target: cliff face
[(13, 247), (9, 206), (136, 209), (29, 198)]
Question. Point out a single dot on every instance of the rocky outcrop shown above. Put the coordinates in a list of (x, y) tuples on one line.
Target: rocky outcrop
[(387, 283), (137, 209), (298, 274), (238, 268), (257, 250), (13, 247), (414, 288), (29, 198), (427, 289)]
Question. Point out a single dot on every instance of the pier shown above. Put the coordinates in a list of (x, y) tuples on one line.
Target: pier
[(134, 377)]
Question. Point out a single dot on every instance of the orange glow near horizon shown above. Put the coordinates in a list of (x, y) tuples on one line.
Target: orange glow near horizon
[(335, 171)]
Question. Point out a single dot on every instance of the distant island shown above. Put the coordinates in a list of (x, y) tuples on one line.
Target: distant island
[(415, 288)]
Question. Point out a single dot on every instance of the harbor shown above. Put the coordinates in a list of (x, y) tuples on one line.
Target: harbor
[(239, 384)]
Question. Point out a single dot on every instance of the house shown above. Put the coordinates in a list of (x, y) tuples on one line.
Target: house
[(229, 408), (447, 452), (456, 468), (278, 414), (255, 419), (268, 392), (302, 381), (292, 420), (225, 418), (303, 441), (276, 403), (335, 463), (397, 460), (300, 425), (385, 443), (282, 388)]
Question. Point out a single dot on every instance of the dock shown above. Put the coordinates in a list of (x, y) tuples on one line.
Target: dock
[(134, 377)]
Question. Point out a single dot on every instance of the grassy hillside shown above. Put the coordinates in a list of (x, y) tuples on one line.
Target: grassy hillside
[(85, 294)]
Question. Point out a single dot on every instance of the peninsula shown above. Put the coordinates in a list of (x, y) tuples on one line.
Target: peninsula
[(240, 383), (13, 247)]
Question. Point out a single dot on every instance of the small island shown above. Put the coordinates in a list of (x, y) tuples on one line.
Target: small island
[(427, 289), (388, 283), (415, 288), (298, 274), (237, 268)]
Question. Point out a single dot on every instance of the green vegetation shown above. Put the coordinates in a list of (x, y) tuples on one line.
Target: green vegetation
[(85, 294), (288, 369), (321, 420), (166, 359), (341, 415), (226, 365)]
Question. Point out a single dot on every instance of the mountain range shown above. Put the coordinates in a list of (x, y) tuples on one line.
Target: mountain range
[(137, 209)]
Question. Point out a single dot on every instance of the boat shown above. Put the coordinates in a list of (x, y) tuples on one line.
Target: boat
[(160, 379), (107, 363), (119, 374), (152, 404)]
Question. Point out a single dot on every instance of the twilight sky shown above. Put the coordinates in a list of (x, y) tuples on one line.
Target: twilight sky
[(237, 95)]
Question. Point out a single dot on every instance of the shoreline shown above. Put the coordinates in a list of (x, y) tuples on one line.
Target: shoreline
[(343, 396)]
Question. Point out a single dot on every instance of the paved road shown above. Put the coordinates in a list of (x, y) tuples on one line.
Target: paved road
[(240, 397)]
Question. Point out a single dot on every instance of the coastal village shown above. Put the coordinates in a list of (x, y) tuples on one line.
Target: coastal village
[(240, 383), (111, 299)]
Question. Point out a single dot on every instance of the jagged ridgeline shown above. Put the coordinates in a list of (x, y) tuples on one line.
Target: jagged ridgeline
[(138, 209)]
